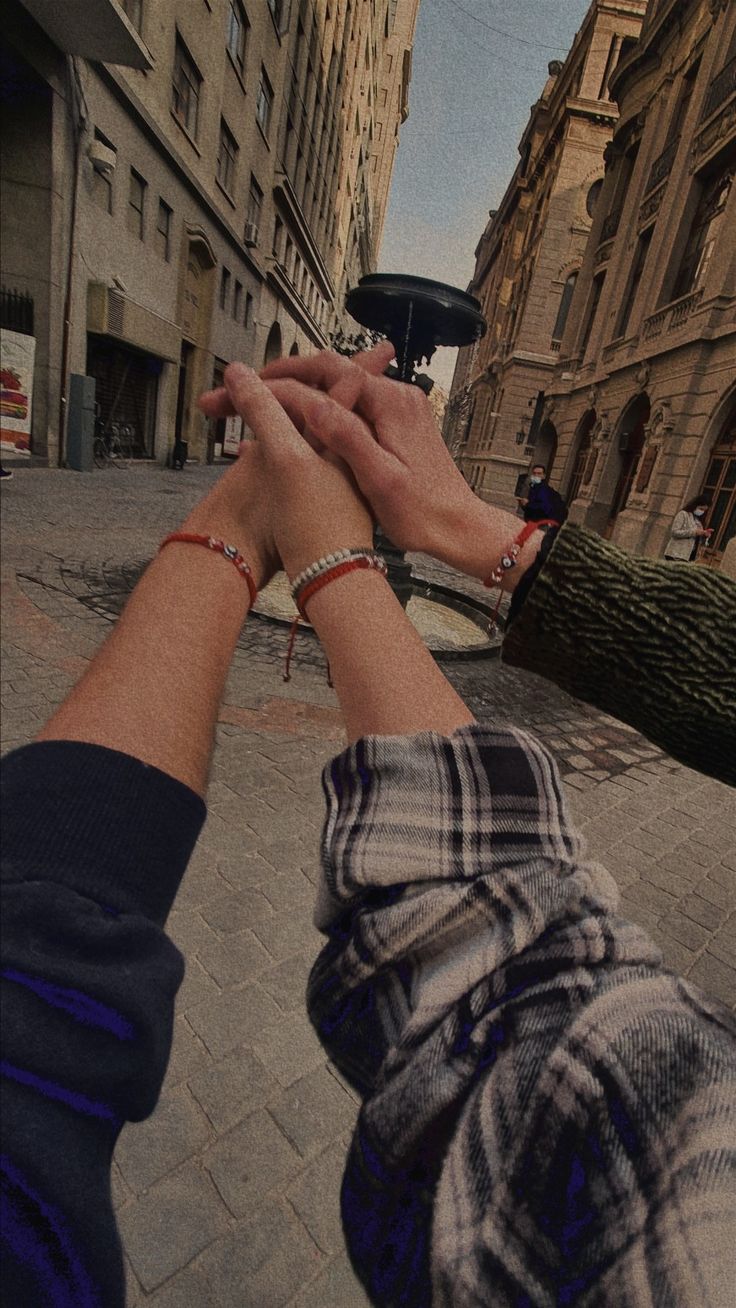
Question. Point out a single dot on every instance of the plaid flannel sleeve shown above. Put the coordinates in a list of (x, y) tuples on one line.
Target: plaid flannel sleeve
[(548, 1117)]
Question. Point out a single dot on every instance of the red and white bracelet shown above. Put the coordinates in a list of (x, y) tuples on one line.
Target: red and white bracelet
[(509, 560), (320, 574)]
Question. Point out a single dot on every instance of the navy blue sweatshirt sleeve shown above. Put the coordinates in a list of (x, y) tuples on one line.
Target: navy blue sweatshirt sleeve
[(94, 846)]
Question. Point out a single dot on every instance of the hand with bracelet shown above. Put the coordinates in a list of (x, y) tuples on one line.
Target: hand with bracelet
[(583, 612)]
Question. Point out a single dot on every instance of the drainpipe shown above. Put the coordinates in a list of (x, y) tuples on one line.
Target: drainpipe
[(78, 121)]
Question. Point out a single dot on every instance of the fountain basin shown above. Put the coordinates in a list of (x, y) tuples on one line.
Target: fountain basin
[(453, 626)]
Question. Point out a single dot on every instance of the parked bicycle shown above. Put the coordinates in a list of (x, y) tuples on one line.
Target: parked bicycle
[(112, 444)]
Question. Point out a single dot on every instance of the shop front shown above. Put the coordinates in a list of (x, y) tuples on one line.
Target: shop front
[(126, 392)]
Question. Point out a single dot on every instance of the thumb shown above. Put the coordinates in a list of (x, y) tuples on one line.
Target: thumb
[(271, 426)]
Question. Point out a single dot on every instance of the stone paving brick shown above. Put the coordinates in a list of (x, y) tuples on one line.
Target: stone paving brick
[(337, 1287), (234, 960), (234, 1018), (189, 931), (187, 1290), (235, 913), (697, 908), (289, 1048), (724, 875), (201, 886), (650, 897), (251, 1160), (196, 987), (723, 944), (667, 875), (261, 1264), (721, 896), (284, 936), (287, 983), (676, 957), (246, 871), (715, 977), (313, 1110), (176, 1130), (316, 1199), (188, 1054), (185, 1203), (684, 930), (230, 1090)]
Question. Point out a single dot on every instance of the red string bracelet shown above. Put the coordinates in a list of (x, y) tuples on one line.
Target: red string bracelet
[(362, 562), (509, 560), (230, 552)]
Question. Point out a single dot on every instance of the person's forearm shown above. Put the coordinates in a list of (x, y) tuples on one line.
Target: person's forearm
[(154, 689), (385, 678), (475, 542)]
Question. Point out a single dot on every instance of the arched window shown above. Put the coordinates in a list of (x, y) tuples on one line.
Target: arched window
[(719, 486), (274, 348), (564, 309)]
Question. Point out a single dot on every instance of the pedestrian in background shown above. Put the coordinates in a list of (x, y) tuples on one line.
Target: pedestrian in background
[(688, 531), (542, 501)]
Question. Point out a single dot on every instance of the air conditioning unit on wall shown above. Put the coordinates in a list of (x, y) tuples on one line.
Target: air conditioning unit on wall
[(250, 235), (102, 158)]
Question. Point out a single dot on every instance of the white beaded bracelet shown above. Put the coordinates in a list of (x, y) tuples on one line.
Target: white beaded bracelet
[(329, 561)]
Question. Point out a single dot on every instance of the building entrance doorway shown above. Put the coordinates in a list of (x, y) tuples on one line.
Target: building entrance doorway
[(582, 449), (126, 392), (631, 438), (719, 488)]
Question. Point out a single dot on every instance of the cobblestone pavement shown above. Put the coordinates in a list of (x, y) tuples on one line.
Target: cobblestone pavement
[(228, 1194)]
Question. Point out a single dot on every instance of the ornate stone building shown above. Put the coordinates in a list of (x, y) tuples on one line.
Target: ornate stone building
[(643, 403), (186, 182), (529, 258)]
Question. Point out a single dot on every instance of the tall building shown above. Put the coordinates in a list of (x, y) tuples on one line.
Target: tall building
[(529, 258), (187, 182), (644, 400)]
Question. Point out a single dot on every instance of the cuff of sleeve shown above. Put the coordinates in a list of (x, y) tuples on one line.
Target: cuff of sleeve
[(584, 580), (101, 822), (412, 810)]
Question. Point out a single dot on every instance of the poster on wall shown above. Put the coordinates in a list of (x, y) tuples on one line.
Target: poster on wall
[(233, 436), (17, 356)]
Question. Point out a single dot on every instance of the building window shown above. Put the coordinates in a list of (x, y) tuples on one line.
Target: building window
[(264, 102), (704, 231), (255, 203), (595, 299), (163, 230), (226, 158), (637, 269), (564, 309), (591, 198), (237, 300), (186, 89), (224, 288), (134, 11), (248, 309), (237, 32), (719, 487), (277, 12), (136, 201), (278, 229), (103, 181)]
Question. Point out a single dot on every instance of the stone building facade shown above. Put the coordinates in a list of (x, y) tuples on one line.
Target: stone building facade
[(187, 182), (529, 258), (643, 403)]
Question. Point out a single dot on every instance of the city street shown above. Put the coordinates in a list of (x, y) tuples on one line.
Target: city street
[(228, 1195)]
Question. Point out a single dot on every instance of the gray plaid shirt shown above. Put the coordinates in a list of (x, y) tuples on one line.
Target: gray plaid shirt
[(549, 1117)]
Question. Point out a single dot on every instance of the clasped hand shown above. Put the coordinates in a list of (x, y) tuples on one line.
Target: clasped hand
[(338, 446)]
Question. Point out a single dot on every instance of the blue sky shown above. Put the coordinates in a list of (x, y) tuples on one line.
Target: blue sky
[(469, 101)]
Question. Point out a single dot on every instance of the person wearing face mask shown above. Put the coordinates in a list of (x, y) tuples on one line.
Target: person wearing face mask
[(688, 531), (542, 502)]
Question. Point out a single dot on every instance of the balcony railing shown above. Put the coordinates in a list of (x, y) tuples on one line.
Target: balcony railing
[(610, 226), (673, 315), (720, 89), (662, 167)]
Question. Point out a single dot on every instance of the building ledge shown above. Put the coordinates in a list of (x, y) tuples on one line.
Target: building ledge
[(285, 197), (279, 282), (95, 29)]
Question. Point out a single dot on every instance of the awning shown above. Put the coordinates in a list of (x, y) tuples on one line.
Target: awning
[(95, 29)]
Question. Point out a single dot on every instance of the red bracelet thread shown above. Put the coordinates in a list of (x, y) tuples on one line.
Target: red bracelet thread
[(508, 561), (340, 570), (229, 552)]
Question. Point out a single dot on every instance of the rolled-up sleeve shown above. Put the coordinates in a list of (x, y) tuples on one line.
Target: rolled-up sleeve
[(479, 989)]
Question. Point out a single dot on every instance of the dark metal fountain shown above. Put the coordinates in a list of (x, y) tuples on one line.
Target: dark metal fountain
[(416, 315)]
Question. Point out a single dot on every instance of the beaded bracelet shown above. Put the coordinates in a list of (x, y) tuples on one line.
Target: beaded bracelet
[(327, 562), (319, 575), (509, 559), (230, 552)]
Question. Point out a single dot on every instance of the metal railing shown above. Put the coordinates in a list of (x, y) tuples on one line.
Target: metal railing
[(720, 88), (610, 225), (16, 311)]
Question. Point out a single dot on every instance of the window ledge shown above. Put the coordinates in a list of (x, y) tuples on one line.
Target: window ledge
[(240, 75), (263, 134), (225, 192), (185, 132)]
